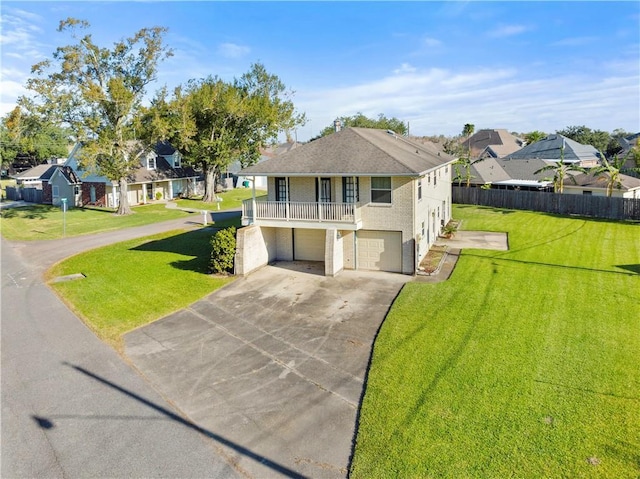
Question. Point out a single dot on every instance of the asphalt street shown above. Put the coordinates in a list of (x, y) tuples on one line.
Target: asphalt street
[(71, 407)]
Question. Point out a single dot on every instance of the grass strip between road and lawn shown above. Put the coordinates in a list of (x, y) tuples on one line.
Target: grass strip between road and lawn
[(135, 282), (523, 364), (46, 222), (231, 199)]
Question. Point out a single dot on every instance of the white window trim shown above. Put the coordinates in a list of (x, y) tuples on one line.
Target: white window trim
[(390, 190)]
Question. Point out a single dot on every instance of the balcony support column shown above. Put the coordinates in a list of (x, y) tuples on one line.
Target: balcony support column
[(253, 201)]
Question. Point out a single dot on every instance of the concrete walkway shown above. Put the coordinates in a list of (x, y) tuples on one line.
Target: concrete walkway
[(463, 239)]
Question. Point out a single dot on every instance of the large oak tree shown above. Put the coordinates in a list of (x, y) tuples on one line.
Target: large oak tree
[(97, 93), (213, 122)]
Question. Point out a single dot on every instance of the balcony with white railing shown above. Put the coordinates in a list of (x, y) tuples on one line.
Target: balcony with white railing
[(295, 214)]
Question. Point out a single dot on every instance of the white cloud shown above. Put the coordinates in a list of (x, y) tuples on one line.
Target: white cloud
[(431, 42), (21, 48), (574, 42), (231, 50), (438, 101), (404, 68), (508, 31), (11, 90)]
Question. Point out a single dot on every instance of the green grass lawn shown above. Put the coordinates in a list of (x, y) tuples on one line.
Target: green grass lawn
[(132, 283), (523, 364), (231, 199), (45, 222)]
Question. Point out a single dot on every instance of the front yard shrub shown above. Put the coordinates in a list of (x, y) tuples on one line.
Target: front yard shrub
[(223, 250)]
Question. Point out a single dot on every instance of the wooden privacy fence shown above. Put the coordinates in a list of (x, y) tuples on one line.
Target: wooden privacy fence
[(31, 195), (563, 204)]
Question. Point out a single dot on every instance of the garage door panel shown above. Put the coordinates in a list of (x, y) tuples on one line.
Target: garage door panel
[(380, 250), (308, 244)]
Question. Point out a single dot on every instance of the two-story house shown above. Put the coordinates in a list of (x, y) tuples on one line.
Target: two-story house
[(160, 175), (359, 198)]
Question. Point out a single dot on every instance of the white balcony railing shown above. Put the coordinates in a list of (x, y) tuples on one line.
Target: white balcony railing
[(301, 211)]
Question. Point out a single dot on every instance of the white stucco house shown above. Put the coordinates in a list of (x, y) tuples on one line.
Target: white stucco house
[(359, 198)]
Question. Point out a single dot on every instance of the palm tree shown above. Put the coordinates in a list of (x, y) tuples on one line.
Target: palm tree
[(534, 136), (468, 129), (613, 171), (466, 163), (561, 171)]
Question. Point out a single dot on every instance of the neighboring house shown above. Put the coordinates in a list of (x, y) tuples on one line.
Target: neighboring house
[(587, 184), (359, 198), (32, 178), (239, 181), (627, 143), (159, 176), (492, 143), (509, 174), (62, 183), (554, 147), (503, 173)]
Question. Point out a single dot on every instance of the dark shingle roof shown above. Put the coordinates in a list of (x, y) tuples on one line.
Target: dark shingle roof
[(549, 149), (163, 171), (70, 175), (164, 148), (501, 142), (588, 180), (494, 170), (354, 151)]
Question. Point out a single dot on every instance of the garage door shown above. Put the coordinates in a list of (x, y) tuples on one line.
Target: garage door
[(308, 245), (380, 250)]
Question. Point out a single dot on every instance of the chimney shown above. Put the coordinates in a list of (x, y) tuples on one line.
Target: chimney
[(337, 124)]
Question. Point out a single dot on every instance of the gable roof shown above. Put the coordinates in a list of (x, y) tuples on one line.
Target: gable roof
[(36, 172), (588, 180), (549, 149), (354, 151), (500, 141), (67, 173), (164, 148), (506, 171), (162, 171)]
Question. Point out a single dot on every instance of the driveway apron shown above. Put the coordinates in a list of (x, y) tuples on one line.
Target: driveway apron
[(273, 365)]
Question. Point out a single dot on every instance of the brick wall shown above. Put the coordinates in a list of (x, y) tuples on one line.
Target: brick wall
[(101, 193)]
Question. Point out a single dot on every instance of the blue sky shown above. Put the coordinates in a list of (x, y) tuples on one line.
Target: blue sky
[(522, 66)]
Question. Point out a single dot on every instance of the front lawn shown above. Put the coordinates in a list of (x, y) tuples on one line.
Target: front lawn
[(45, 222), (132, 283), (231, 200), (523, 364)]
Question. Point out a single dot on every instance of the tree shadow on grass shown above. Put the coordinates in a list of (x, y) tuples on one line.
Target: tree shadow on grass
[(35, 212), (634, 268), (195, 244)]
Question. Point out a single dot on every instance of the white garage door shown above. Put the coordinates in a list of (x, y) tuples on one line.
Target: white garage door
[(380, 250), (308, 245)]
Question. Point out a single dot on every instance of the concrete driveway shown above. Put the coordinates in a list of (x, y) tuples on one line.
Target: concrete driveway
[(273, 365)]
